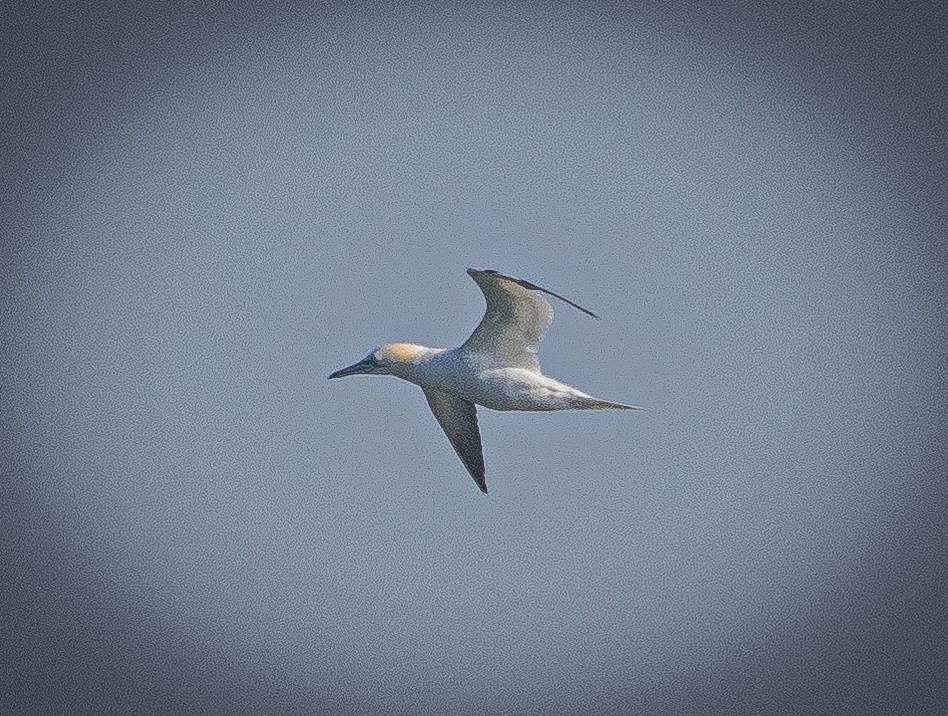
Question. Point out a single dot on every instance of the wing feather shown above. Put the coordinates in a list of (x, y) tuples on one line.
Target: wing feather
[(517, 316), (458, 419)]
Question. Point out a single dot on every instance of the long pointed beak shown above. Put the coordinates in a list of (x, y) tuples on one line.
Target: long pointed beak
[(355, 369)]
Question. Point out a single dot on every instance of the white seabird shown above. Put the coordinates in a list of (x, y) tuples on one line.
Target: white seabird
[(497, 367)]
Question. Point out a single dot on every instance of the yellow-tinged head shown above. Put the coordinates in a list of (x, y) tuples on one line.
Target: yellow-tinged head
[(399, 353), (390, 359)]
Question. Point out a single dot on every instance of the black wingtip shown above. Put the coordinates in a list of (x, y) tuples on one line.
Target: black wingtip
[(530, 286)]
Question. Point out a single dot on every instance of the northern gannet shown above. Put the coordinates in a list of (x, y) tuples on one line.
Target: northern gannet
[(496, 367)]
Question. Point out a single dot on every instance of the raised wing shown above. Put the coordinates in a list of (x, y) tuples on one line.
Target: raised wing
[(517, 317), (458, 419)]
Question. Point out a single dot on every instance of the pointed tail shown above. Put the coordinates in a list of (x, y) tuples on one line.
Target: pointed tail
[(597, 404)]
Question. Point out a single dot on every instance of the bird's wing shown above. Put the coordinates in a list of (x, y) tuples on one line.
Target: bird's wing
[(458, 419), (517, 317)]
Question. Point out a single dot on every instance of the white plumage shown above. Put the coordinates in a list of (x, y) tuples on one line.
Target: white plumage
[(497, 367)]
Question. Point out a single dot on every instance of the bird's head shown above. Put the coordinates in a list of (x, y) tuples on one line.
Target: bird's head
[(391, 359)]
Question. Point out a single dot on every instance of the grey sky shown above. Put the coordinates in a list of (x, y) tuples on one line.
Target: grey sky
[(211, 212)]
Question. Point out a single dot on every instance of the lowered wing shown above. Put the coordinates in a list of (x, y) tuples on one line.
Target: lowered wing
[(458, 419)]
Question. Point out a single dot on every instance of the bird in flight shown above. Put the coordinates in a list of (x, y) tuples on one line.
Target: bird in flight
[(496, 367)]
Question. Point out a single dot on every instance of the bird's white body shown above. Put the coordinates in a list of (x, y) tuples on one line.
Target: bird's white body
[(496, 367), (480, 379)]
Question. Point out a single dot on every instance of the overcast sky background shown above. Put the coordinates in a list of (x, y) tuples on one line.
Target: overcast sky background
[(207, 211)]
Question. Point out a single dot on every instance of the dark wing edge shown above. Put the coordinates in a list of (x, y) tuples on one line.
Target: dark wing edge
[(458, 420), (533, 287)]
